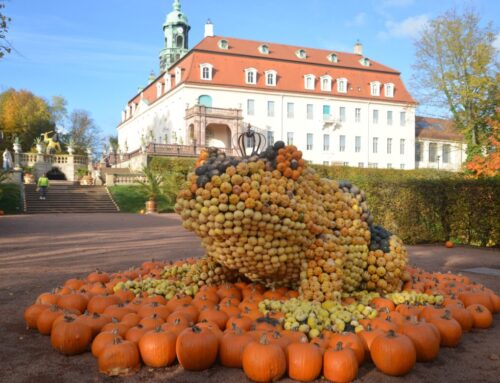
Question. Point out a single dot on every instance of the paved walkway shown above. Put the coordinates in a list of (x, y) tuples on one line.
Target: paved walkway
[(40, 252)]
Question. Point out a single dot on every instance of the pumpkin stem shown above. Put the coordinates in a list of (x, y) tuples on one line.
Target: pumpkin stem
[(68, 318), (117, 340), (114, 320), (158, 329), (391, 334), (196, 329), (263, 339), (96, 315), (338, 346)]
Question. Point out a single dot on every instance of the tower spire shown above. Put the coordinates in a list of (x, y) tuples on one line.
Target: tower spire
[(176, 31), (177, 5)]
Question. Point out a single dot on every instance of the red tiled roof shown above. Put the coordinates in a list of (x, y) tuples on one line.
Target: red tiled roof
[(436, 128), (229, 70)]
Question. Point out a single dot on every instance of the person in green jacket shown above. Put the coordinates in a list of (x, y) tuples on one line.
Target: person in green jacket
[(43, 184)]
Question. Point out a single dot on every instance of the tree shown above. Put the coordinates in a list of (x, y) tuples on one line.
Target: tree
[(59, 111), (4, 27), (488, 164), (455, 68), (83, 130), (24, 115)]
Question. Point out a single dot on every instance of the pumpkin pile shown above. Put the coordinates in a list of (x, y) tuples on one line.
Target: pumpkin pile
[(273, 220), (268, 332)]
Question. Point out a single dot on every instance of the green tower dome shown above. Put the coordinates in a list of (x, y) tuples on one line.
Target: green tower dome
[(176, 31)]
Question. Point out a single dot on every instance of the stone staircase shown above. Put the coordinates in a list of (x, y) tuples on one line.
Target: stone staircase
[(67, 197)]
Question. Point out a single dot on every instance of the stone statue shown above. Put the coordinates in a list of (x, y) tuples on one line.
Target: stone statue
[(7, 160), (52, 144)]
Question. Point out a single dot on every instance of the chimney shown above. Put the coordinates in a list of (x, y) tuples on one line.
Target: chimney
[(209, 29), (358, 48)]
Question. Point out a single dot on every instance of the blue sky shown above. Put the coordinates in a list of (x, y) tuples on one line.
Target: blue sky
[(96, 53)]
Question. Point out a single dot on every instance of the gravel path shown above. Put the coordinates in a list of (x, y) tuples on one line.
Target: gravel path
[(39, 252)]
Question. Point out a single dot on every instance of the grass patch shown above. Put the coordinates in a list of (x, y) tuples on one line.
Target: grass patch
[(10, 198), (132, 199)]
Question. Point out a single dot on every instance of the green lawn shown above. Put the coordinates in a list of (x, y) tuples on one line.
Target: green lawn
[(10, 199), (131, 199)]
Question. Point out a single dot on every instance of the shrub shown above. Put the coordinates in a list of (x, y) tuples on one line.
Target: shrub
[(10, 198), (132, 199)]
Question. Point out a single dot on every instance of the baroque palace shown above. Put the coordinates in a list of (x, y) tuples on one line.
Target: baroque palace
[(337, 107)]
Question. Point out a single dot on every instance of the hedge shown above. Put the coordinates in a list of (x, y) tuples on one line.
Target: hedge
[(10, 199), (420, 206)]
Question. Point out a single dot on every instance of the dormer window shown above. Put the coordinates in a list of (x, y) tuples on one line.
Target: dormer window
[(332, 57), (301, 54), (342, 85), (326, 83), (223, 44), (389, 90), (264, 49), (251, 76), (206, 71), (309, 80), (365, 61), (375, 88), (158, 89), (168, 82), (178, 75), (270, 77)]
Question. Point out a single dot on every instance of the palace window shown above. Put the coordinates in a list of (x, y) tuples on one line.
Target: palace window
[(419, 151), (251, 76), (389, 117), (389, 90), (250, 107), (223, 44), (446, 153), (270, 137), (326, 142), (309, 141), (270, 77), (357, 144), (342, 85), (432, 152), (301, 54), (290, 110), (206, 72), (342, 143), (389, 145), (375, 88), (365, 61), (357, 115), (326, 83), (375, 116), (178, 75), (264, 49), (342, 114), (402, 146), (309, 111), (289, 138), (375, 145), (309, 80), (332, 57), (270, 109), (402, 118)]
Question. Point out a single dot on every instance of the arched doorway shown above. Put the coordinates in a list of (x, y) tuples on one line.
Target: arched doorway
[(205, 100), (218, 136)]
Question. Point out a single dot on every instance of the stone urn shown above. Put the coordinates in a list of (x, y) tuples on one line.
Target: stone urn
[(17, 147), (39, 148), (86, 180), (29, 178), (150, 206), (71, 150)]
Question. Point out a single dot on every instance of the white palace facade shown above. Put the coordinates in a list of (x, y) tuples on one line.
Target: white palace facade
[(337, 107)]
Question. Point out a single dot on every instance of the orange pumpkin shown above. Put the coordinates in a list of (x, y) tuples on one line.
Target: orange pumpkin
[(46, 319), (449, 244), (340, 364), (102, 340), (231, 348), (70, 337), (121, 357), (449, 329), (393, 354), (263, 361), (196, 348), (32, 312), (304, 361), (352, 341), (481, 316), (424, 339), (157, 348)]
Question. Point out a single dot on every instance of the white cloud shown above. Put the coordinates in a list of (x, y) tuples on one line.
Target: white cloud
[(358, 21), (409, 27)]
